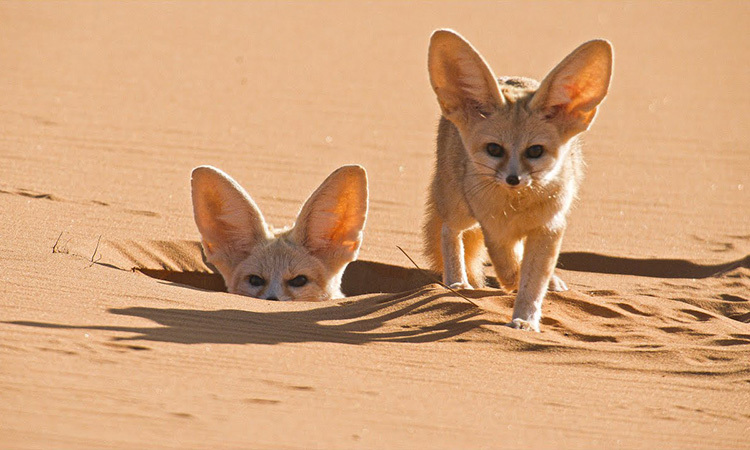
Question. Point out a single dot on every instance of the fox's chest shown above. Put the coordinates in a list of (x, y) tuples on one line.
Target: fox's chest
[(517, 213)]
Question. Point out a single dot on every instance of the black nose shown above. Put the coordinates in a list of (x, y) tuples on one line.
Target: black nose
[(512, 180)]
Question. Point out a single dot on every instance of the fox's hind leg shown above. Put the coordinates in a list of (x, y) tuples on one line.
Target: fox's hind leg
[(556, 284), (444, 249), (505, 260), (474, 256), (431, 239)]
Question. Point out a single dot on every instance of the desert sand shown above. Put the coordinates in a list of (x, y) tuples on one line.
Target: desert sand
[(114, 334)]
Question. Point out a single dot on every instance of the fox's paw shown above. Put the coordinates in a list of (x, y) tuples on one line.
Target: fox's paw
[(460, 285), (508, 280), (520, 324), (557, 285)]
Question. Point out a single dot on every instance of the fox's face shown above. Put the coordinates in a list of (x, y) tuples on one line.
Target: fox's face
[(514, 147), (305, 262), (517, 132), (281, 269)]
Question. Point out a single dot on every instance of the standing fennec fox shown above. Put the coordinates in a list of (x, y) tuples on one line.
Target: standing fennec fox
[(508, 167), (305, 262)]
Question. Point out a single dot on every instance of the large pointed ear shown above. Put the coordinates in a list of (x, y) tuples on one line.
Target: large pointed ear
[(570, 94), (465, 86), (229, 221), (331, 222)]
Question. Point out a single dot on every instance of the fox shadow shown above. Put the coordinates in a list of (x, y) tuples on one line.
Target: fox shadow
[(359, 322), (653, 267)]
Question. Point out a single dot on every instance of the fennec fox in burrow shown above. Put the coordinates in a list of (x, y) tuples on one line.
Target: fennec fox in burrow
[(508, 167), (304, 262)]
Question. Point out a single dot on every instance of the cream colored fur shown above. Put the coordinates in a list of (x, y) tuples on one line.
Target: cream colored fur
[(314, 252), (508, 201)]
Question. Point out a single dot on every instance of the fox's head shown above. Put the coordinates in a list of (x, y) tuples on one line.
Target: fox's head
[(305, 262), (518, 131)]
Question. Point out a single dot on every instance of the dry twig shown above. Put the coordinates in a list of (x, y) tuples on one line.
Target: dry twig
[(426, 274)]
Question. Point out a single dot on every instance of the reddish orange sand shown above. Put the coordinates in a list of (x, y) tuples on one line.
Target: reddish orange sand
[(107, 107)]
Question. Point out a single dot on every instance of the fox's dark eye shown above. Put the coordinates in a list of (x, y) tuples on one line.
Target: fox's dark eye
[(534, 152), (298, 281), (256, 281), (495, 150)]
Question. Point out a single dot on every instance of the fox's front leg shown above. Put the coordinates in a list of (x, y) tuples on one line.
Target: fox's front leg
[(539, 260), (454, 267)]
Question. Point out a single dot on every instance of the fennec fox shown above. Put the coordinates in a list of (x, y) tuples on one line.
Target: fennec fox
[(305, 262), (508, 167)]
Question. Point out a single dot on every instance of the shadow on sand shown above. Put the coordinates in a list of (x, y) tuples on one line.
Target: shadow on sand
[(357, 322), (368, 277), (656, 268)]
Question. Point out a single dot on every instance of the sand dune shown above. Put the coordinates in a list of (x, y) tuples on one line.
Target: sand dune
[(115, 333), (710, 322)]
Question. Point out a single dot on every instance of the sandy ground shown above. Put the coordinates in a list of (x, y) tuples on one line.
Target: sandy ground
[(107, 107)]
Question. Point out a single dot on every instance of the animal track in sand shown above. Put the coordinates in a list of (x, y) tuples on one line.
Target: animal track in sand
[(684, 330), (141, 212), (632, 310), (583, 304), (28, 193), (603, 293), (293, 387), (262, 401), (745, 318), (732, 298), (731, 342), (717, 246), (590, 337), (126, 347), (698, 315), (32, 194)]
